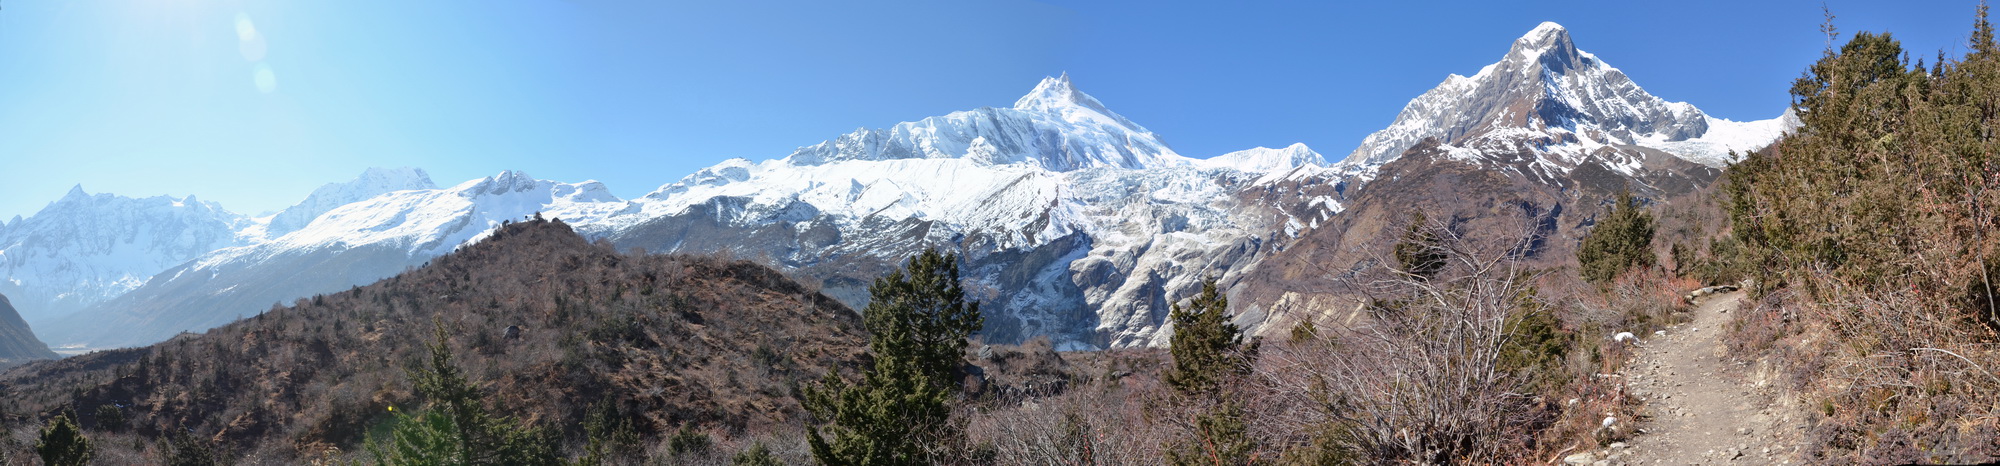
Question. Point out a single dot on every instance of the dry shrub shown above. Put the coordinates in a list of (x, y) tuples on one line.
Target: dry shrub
[(1421, 379), (1122, 418), (1887, 376)]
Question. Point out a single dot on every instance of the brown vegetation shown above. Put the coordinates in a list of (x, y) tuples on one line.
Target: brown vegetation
[(546, 323)]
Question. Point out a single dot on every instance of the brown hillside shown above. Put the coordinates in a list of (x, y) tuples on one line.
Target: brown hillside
[(668, 340), (1501, 197), (17, 342)]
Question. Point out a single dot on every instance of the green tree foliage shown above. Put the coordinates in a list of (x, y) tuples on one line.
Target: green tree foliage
[(62, 443), (1892, 181), (688, 441), (1622, 239), (110, 417), (918, 320), (1535, 345), (1206, 345), (456, 429), (1209, 352), (609, 434), (1221, 437), (756, 455), (183, 449), (1878, 214), (1420, 252), (921, 313)]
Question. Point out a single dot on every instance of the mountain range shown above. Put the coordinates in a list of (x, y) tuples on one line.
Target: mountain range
[(1075, 222)]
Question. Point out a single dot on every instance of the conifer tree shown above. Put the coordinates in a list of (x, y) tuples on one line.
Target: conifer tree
[(918, 320), (62, 443), (1205, 343), (1208, 352), (1621, 240), (456, 428)]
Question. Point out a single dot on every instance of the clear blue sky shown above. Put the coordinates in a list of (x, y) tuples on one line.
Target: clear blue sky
[(255, 103)]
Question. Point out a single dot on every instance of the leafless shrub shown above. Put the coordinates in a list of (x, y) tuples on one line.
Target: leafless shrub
[(1893, 378), (1420, 379)]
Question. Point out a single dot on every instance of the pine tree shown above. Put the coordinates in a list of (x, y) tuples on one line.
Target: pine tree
[(1622, 240), (757, 455), (921, 313), (1205, 344), (62, 443), (456, 428), (1208, 351), (185, 450), (918, 321)]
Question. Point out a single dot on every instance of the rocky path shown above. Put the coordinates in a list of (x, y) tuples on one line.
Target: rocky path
[(1701, 405)]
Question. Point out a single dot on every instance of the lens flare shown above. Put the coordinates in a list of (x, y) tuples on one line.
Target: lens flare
[(267, 82)]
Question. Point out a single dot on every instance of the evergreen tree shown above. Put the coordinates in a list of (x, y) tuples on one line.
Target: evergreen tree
[(1206, 345), (1208, 351), (62, 443), (1621, 240), (609, 434), (456, 428), (757, 455), (918, 321), (186, 450), (921, 313)]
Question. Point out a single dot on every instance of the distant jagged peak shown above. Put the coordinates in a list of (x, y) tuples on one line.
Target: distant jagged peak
[(76, 192), (1549, 43), (407, 177), (1058, 95), (1558, 102), (506, 181), (374, 181), (1054, 127)]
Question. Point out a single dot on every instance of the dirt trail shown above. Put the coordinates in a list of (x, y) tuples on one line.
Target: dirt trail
[(1701, 405)]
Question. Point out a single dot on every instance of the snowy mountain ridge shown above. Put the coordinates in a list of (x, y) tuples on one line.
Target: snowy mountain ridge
[(371, 183), (1073, 221), (84, 248), (1054, 127), (1549, 98)]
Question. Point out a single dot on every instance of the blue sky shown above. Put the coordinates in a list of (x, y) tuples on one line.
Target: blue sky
[(255, 103)]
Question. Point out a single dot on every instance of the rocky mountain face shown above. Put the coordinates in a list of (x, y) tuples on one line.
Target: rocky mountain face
[(85, 248), (1074, 221), (1532, 146), (1563, 105), (17, 341)]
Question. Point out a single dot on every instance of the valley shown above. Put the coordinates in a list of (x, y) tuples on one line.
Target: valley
[(1505, 274)]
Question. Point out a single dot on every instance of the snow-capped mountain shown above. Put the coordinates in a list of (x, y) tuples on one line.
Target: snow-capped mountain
[(1073, 222), (354, 244), (372, 182), (1079, 223), (1267, 160), (85, 248), (1054, 127), (1563, 104)]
